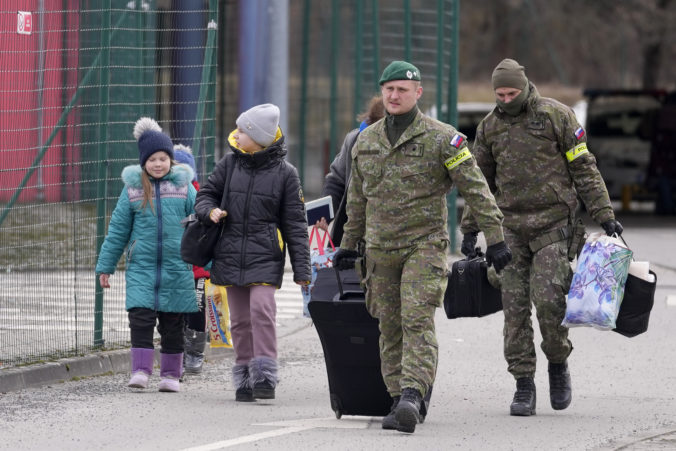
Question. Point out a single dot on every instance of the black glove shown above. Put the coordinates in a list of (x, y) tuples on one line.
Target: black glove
[(468, 243), (344, 259), (612, 226), (498, 255)]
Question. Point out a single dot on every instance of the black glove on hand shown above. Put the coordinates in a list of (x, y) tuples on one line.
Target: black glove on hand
[(498, 255), (612, 226), (468, 243), (344, 259)]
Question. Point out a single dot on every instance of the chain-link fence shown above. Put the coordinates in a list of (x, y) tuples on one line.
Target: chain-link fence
[(76, 75)]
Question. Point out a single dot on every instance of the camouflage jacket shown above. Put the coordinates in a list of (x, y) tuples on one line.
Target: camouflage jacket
[(397, 194), (536, 164)]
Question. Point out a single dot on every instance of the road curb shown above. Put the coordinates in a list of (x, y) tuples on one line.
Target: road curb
[(72, 368)]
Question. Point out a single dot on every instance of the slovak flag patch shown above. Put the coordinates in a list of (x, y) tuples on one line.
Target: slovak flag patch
[(579, 133), (457, 141)]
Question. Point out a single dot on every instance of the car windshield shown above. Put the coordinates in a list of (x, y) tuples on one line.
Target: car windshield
[(618, 115)]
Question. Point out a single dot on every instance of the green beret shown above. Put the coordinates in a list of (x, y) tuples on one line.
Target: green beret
[(399, 70)]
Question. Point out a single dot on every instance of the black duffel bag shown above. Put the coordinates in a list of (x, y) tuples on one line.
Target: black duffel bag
[(468, 293)]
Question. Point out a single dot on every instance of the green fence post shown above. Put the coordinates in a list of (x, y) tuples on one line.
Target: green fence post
[(101, 187), (209, 51), (407, 30), (376, 45), (452, 110), (440, 56), (358, 36), (334, 79), (303, 89)]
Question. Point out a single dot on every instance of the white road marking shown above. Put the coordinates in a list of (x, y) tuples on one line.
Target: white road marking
[(671, 300), (289, 427)]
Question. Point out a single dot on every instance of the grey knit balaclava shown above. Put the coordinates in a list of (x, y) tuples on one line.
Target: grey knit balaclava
[(510, 74)]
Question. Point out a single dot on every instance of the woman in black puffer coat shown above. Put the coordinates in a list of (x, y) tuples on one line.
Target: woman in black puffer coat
[(263, 215)]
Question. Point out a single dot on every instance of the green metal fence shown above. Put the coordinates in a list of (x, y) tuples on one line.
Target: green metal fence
[(343, 46), (75, 77), (71, 91)]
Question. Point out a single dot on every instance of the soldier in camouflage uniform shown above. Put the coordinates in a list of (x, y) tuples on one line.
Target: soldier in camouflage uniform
[(534, 155), (402, 168)]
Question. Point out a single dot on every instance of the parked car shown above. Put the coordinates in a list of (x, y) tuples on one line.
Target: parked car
[(614, 122), (469, 116)]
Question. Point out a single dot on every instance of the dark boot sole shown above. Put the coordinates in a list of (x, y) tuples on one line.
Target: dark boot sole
[(407, 419), (244, 398), (264, 393), (390, 423), (191, 370), (519, 412), (561, 406)]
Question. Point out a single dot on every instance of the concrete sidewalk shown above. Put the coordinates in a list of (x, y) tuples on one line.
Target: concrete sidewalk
[(105, 363)]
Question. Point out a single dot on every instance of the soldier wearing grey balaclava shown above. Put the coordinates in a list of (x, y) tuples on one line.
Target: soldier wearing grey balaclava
[(534, 155)]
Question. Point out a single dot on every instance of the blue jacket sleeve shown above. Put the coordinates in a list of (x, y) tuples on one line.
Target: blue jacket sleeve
[(119, 232)]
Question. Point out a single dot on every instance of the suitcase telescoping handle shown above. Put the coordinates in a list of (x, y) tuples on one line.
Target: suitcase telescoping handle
[(340, 282)]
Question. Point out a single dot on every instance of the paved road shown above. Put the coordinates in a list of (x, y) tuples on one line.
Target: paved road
[(624, 393)]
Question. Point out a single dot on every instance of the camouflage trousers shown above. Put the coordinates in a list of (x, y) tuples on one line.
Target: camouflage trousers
[(541, 279), (403, 289)]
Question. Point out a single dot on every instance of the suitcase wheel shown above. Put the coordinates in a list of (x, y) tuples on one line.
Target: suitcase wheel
[(336, 405)]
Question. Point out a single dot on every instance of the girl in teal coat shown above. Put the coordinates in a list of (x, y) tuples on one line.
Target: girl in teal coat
[(157, 195)]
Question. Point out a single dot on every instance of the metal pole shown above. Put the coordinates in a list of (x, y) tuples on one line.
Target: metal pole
[(187, 56), (334, 79), (303, 89), (277, 81), (376, 44), (101, 187), (452, 109), (40, 87), (250, 31), (440, 56), (209, 50), (359, 25), (407, 30)]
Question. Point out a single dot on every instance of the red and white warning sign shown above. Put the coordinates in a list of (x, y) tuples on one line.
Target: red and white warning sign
[(24, 23)]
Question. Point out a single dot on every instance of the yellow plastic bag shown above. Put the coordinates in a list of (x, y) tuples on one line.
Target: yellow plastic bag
[(218, 315)]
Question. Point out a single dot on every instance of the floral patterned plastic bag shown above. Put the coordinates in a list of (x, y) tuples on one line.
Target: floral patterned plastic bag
[(597, 287)]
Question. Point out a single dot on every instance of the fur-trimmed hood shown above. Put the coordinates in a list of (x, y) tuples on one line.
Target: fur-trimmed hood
[(179, 175)]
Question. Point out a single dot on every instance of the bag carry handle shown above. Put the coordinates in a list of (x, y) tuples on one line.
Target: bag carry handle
[(625, 243), (320, 240)]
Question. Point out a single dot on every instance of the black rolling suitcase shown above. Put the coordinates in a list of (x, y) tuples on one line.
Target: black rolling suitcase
[(349, 337)]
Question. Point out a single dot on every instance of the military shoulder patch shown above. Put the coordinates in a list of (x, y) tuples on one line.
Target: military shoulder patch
[(579, 133), (576, 151), (457, 141), (457, 159)]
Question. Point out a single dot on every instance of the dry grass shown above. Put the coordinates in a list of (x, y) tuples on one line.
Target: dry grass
[(482, 92)]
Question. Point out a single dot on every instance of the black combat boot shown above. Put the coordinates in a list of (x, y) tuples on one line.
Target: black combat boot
[(389, 421), (407, 412), (523, 404), (560, 392)]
